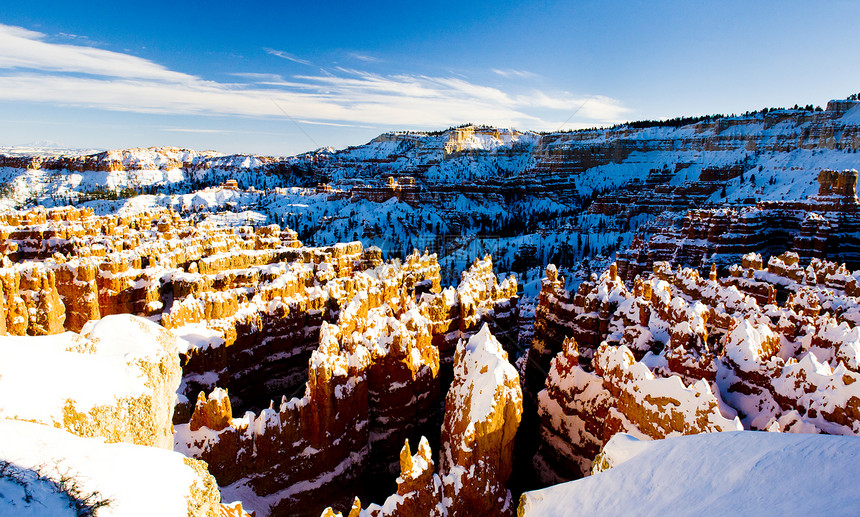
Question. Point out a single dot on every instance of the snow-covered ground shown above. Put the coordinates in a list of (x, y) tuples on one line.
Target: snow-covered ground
[(733, 473), (44, 471)]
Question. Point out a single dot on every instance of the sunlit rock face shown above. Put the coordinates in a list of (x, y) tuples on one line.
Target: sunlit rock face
[(482, 412)]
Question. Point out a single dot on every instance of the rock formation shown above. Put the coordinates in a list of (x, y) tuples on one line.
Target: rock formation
[(826, 225), (482, 412), (116, 380), (374, 379), (367, 345), (682, 354)]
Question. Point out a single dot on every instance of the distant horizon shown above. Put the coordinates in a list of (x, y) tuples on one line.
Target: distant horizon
[(89, 150), (283, 80)]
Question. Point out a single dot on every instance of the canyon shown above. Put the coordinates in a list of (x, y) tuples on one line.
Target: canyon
[(383, 330)]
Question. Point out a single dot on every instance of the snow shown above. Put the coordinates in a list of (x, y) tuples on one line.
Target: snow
[(138, 480), (483, 369), (24, 492), (197, 335), (745, 345), (733, 473), (99, 378)]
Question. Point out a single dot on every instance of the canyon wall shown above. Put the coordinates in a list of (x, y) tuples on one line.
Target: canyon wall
[(765, 348), (375, 379), (825, 225)]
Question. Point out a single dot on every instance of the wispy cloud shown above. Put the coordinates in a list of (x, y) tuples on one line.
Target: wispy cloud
[(258, 77), (364, 57), (25, 49), (194, 130), (289, 57), (36, 70), (84, 40), (510, 72)]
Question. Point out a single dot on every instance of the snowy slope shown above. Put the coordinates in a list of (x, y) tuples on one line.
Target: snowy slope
[(136, 480), (736, 473)]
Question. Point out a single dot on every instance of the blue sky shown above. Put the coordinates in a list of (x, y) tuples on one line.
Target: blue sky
[(280, 78)]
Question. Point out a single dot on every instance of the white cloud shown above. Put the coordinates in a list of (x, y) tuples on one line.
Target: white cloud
[(364, 57), (289, 57), (24, 49), (510, 72), (36, 70)]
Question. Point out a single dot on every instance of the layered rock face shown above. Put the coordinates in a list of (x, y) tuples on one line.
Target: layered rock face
[(826, 225), (482, 412), (684, 354), (64, 266), (375, 379)]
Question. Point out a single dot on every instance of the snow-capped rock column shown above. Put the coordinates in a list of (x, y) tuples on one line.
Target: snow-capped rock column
[(482, 412)]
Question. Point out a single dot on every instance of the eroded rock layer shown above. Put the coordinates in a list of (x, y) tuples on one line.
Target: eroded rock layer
[(375, 379), (826, 225), (680, 353)]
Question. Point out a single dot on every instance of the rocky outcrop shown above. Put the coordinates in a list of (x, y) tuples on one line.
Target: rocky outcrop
[(482, 412), (116, 380), (681, 354), (580, 409), (458, 313), (77, 410)]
